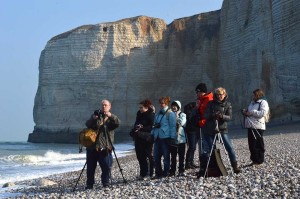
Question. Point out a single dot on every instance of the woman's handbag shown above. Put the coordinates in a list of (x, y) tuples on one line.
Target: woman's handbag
[(145, 136)]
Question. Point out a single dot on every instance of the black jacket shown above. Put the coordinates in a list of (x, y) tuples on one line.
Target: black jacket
[(213, 109), (146, 119)]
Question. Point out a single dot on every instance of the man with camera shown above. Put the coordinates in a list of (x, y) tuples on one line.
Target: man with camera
[(104, 122)]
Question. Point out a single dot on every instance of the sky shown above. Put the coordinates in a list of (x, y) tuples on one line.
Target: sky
[(27, 26)]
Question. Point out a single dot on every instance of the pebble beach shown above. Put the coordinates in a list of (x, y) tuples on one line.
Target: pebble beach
[(277, 177)]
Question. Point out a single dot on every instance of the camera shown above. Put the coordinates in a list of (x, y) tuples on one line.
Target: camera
[(99, 113), (138, 127), (243, 111), (156, 125)]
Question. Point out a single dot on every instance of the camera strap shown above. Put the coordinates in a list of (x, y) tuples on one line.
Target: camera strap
[(162, 116)]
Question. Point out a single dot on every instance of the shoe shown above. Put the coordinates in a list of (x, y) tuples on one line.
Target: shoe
[(105, 185), (188, 165), (256, 163), (200, 173), (181, 174), (88, 187), (141, 178), (235, 167), (156, 177), (171, 174), (194, 165)]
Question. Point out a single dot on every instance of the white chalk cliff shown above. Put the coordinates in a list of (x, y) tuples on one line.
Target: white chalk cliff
[(245, 45)]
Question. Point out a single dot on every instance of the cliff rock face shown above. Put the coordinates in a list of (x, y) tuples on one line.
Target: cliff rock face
[(241, 47)]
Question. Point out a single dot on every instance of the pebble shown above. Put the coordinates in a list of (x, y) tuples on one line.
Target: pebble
[(278, 177)]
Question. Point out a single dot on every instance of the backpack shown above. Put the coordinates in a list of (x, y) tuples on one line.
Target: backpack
[(268, 115), (87, 137), (192, 116)]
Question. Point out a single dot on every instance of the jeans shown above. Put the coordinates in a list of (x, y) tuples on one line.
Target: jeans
[(105, 162), (193, 139), (161, 149), (208, 144)]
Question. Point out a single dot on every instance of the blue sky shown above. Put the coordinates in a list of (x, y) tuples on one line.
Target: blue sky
[(26, 26)]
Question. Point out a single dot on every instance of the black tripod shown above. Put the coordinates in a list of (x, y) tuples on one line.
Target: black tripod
[(113, 149), (79, 177), (218, 159)]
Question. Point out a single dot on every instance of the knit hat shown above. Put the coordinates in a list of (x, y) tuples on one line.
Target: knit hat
[(201, 88)]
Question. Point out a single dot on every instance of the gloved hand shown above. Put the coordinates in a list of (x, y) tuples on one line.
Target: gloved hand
[(218, 115)]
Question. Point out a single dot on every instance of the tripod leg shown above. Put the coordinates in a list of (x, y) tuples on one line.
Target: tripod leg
[(255, 130), (226, 153), (212, 148), (113, 149), (253, 133), (124, 180), (79, 177)]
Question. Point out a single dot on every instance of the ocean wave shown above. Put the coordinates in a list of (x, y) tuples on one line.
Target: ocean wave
[(50, 157)]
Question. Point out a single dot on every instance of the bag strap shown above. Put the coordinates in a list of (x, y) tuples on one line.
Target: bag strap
[(164, 115), (259, 105)]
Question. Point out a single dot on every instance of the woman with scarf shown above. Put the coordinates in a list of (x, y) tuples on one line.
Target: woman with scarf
[(164, 134), (217, 113), (143, 147)]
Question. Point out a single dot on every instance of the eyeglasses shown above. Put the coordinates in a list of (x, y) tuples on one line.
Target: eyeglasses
[(220, 94), (140, 107)]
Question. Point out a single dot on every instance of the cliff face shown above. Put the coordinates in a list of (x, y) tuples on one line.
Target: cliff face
[(259, 47), (241, 47)]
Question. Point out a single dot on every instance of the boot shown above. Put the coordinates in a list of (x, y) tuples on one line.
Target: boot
[(194, 165), (203, 164), (200, 173), (235, 167), (188, 165)]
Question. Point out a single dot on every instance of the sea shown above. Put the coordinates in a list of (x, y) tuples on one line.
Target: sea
[(24, 161)]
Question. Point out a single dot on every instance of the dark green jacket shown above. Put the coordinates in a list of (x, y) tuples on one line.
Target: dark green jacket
[(108, 128)]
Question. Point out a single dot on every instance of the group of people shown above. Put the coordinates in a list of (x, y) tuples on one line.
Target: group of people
[(160, 136)]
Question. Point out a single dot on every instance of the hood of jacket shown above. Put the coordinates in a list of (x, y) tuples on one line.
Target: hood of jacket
[(176, 102)]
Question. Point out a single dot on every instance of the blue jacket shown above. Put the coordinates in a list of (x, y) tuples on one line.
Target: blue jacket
[(167, 122)]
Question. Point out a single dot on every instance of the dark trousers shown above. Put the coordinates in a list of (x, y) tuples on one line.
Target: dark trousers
[(180, 150), (193, 139), (144, 155), (105, 162), (256, 145)]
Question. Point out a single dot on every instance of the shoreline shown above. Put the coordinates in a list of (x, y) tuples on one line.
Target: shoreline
[(279, 176)]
